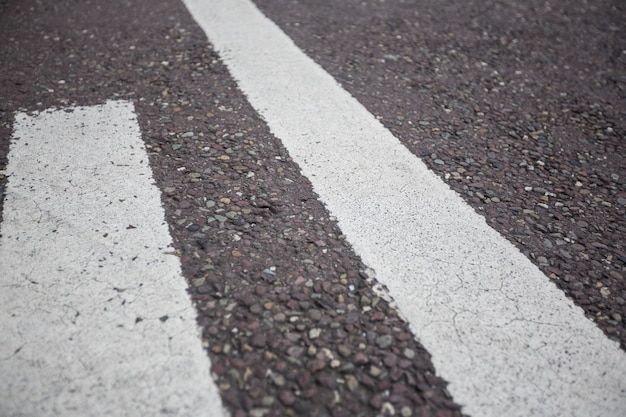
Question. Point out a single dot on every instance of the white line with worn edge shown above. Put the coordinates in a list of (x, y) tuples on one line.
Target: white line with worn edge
[(94, 315), (507, 340)]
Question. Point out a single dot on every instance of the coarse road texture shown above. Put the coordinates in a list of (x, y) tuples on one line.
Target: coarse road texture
[(293, 325), (468, 294), (519, 106)]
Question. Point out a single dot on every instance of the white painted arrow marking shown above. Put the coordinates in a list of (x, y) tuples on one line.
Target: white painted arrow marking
[(94, 316), (506, 338)]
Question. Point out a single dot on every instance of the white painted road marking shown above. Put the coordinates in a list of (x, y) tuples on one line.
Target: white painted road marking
[(506, 338), (94, 316)]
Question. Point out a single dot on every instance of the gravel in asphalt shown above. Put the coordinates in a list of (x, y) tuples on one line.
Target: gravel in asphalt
[(519, 106)]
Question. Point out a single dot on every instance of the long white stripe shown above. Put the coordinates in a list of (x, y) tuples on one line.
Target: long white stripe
[(94, 316), (506, 338)]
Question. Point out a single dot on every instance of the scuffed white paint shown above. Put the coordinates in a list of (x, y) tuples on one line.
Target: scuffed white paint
[(94, 315)]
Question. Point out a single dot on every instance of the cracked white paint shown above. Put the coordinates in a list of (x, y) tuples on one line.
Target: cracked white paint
[(505, 337), (94, 316)]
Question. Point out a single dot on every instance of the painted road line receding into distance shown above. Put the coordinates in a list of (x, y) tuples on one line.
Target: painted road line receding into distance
[(94, 316), (506, 338)]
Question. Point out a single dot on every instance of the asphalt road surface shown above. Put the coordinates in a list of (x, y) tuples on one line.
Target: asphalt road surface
[(376, 208)]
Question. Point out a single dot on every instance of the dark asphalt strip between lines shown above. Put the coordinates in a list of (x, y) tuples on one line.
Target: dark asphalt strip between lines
[(469, 295)]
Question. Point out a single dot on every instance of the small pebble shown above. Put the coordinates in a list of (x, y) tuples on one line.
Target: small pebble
[(409, 353), (351, 382), (384, 341), (406, 411), (314, 333)]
